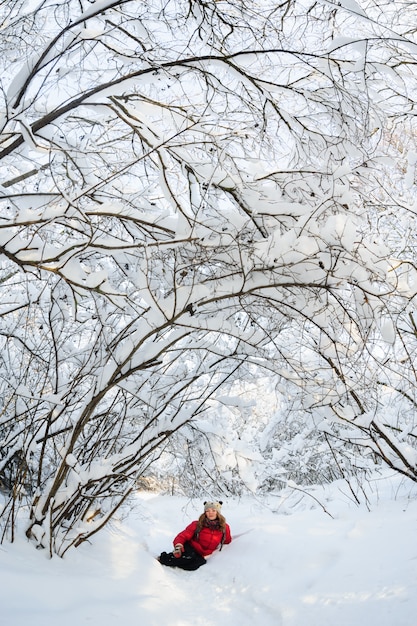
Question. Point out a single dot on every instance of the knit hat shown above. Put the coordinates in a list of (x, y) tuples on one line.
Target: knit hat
[(213, 505)]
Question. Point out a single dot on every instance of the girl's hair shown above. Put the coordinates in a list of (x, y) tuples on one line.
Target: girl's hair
[(202, 521)]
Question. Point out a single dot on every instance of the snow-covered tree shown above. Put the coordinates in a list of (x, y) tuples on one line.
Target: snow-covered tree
[(185, 202)]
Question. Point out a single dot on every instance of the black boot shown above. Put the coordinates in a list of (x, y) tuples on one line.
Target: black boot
[(167, 558)]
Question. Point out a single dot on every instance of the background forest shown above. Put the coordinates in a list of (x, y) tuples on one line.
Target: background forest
[(208, 251)]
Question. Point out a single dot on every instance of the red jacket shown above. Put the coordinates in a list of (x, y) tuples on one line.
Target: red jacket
[(206, 542)]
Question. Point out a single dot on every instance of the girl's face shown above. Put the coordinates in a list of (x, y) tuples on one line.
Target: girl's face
[(211, 514)]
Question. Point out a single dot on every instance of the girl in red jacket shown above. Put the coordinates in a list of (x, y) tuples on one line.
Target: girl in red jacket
[(199, 539)]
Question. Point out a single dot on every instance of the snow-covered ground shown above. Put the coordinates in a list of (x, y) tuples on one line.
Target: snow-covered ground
[(290, 564)]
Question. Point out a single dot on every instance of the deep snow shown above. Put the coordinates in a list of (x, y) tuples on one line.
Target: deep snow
[(290, 564)]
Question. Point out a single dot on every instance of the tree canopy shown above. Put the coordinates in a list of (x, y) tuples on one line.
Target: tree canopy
[(195, 196)]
